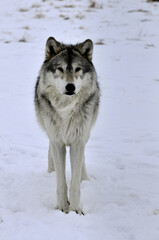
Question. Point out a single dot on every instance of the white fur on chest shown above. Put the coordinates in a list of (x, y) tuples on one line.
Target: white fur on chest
[(72, 125), (68, 110)]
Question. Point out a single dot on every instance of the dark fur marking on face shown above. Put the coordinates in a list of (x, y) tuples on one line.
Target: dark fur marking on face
[(69, 54), (51, 65), (75, 49), (85, 63), (86, 68), (51, 68), (69, 59)]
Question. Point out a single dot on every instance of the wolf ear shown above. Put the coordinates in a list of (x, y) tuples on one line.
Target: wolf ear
[(86, 49), (53, 47)]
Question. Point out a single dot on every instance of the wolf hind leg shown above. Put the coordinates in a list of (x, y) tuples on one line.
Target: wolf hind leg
[(84, 175), (51, 166)]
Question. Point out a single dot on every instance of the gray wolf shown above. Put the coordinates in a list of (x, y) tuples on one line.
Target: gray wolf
[(66, 103)]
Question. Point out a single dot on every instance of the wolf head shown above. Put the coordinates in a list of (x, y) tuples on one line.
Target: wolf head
[(69, 68)]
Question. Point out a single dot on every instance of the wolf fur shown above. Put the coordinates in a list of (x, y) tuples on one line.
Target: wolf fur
[(66, 103)]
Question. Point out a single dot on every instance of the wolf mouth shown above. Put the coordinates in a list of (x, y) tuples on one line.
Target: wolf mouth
[(70, 93)]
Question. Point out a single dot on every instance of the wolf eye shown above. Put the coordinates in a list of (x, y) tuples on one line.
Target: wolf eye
[(77, 69), (60, 69)]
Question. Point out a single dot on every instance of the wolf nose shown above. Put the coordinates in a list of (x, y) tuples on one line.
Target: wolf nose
[(70, 87)]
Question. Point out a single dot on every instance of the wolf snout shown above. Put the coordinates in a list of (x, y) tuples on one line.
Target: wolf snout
[(70, 89)]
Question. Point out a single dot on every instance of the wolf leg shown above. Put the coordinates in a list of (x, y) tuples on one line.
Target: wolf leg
[(77, 157), (51, 167), (59, 152), (84, 175)]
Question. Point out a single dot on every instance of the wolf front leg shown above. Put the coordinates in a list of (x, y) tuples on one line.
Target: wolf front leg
[(84, 175), (51, 167), (77, 160), (59, 153)]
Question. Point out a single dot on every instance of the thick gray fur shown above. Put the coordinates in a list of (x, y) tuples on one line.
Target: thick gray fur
[(67, 119)]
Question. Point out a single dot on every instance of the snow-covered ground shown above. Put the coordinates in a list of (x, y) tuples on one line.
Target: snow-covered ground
[(121, 200)]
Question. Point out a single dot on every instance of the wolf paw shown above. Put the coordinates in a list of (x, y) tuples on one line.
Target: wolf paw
[(78, 211), (50, 170), (63, 209), (64, 206)]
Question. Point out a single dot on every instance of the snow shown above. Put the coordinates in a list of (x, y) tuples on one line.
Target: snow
[(121, 200)]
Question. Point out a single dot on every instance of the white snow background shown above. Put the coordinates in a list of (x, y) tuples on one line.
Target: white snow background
[(121, 200)]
